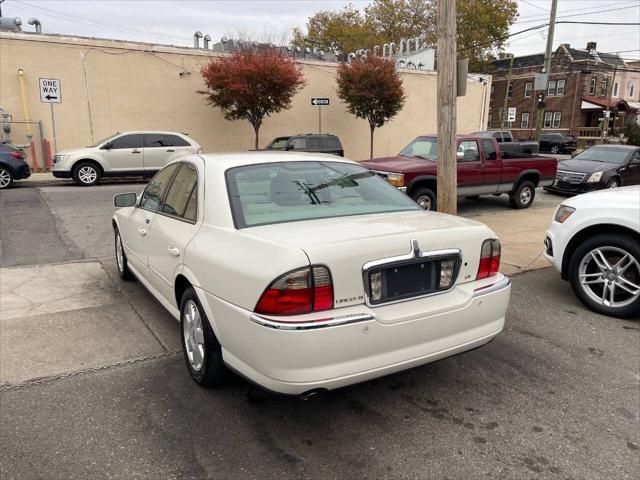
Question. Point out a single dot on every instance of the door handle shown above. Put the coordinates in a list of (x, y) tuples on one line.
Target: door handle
[(171, 150), (135, 151), (142, 231), (173, 251)]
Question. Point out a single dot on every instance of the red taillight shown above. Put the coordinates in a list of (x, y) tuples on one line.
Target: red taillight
[(305, 290), (18, 155), (489, 259)]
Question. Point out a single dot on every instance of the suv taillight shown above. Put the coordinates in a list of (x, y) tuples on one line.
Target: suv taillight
[(489, 259), (305, 290), (18, 155)]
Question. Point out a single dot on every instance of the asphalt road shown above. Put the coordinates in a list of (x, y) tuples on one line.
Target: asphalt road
[(555, 396)]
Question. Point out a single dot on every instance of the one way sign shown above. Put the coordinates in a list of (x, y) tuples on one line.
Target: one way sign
[(319, 101), (50, 90)]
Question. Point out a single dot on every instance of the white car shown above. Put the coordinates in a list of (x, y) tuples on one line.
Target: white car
[(594, 241), (127, 154), (304, 272)]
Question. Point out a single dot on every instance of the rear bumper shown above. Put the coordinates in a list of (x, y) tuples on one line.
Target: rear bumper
[(362, 343)]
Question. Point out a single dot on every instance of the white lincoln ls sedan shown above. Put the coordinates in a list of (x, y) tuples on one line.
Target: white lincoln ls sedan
[(306, 272)]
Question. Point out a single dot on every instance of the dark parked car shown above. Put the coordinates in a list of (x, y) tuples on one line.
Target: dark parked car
[(12, 165), (508, 144), (309, 142), (557, 143), (598, 167)]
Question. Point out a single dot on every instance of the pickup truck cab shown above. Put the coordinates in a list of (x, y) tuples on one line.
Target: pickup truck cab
[(508, 144), (483, 169)]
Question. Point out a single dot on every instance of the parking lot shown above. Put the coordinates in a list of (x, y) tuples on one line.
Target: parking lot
[(94, 385)]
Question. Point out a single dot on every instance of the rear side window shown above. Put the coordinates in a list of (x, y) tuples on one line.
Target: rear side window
[(178, 141), (489, 150), (469, 149), (152, 195), (181, 191), (299, 143), (126, 141), (332, 143), (315, 143), (154, 140)]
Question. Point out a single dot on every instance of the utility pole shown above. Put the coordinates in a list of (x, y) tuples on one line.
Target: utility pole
[(547, 65), (506, 94), (607, 114), (447, 160)]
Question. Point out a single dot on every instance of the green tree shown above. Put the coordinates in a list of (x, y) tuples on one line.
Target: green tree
[(482, 26), (372, 89)]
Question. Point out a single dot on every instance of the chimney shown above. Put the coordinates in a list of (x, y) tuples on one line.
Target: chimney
[(591, 46)]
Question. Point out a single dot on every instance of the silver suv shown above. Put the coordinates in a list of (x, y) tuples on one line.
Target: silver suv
[(128, 154)]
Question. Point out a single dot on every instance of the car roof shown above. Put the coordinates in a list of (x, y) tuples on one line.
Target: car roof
[(159, 132), (238, 159)]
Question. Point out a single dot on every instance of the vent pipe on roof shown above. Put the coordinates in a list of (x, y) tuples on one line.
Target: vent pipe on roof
[(196, 39), (35, 22), (385, 49), (403, 45), (376, 50), (350, 57), (392, 49), (591, 47), (205, 42)]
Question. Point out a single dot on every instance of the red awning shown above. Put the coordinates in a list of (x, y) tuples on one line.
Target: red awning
[(590, 102)]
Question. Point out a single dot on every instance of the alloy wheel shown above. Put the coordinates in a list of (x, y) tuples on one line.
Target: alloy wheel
[(613, 184), (424, 201), (555, 150), (87, 174), (193, 334), (610, 276), (5, 178), (119, 253), (525, 196)]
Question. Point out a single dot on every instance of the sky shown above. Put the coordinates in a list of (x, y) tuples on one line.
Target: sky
[(175, 21)]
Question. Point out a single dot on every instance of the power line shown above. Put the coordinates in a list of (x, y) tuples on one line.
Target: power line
[(583, 14), (534, 6), (573, 10)]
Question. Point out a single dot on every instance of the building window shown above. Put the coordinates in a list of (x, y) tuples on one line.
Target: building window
[(548, 117), (603, 88), (524, 120), (528, 88), (551, 87), (616, 86), (510, 91), (556, 119), (560, 89), (592, 88), (632, 90), (489, 118)]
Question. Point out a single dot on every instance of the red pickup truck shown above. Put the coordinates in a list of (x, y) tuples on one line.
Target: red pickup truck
[(483, 169)]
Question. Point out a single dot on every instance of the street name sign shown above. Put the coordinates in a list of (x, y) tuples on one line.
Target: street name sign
[(50, 90), (319, 101)]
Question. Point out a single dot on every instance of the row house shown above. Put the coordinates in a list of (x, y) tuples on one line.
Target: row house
[(581, 86)]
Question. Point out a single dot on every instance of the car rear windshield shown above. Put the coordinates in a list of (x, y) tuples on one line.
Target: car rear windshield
[(293, 191), (606, 155)]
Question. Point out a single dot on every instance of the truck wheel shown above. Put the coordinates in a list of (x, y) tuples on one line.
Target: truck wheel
[(604, 272), (425, 198), (523, 195)]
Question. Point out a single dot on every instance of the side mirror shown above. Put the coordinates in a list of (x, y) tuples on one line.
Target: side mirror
[(289, 147), (107, 146), (125, 200), (459, 155)]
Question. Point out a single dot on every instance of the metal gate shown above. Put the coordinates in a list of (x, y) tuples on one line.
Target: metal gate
[(28, 137)]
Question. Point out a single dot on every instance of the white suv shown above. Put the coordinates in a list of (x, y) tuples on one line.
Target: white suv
[(128, 154), (594, 241)]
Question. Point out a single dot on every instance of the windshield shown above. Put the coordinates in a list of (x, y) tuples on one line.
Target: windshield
[(292, 191), (100, 142), (424, 147), (608, 155), (278, 143)]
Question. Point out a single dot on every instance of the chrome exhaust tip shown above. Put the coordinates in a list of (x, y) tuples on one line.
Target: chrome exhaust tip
[(311, 393)]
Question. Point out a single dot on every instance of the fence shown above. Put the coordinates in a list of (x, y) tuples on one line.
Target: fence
[(29, 137)]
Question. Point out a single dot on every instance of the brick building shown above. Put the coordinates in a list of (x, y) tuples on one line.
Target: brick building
[(580, 87)]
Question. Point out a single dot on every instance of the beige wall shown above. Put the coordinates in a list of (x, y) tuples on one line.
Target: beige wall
[(138, 86)]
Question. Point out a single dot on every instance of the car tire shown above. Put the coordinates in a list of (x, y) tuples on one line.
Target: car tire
[(86, 174), (6, 178), (555, 149), (523, 196), (425, 198), (121, 258), (613, 183), (583, 265), (202, 351), (472, 197)]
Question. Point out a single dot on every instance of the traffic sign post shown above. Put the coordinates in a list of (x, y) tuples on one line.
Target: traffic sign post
[(319, 102), (511, 114), (51, 92)]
